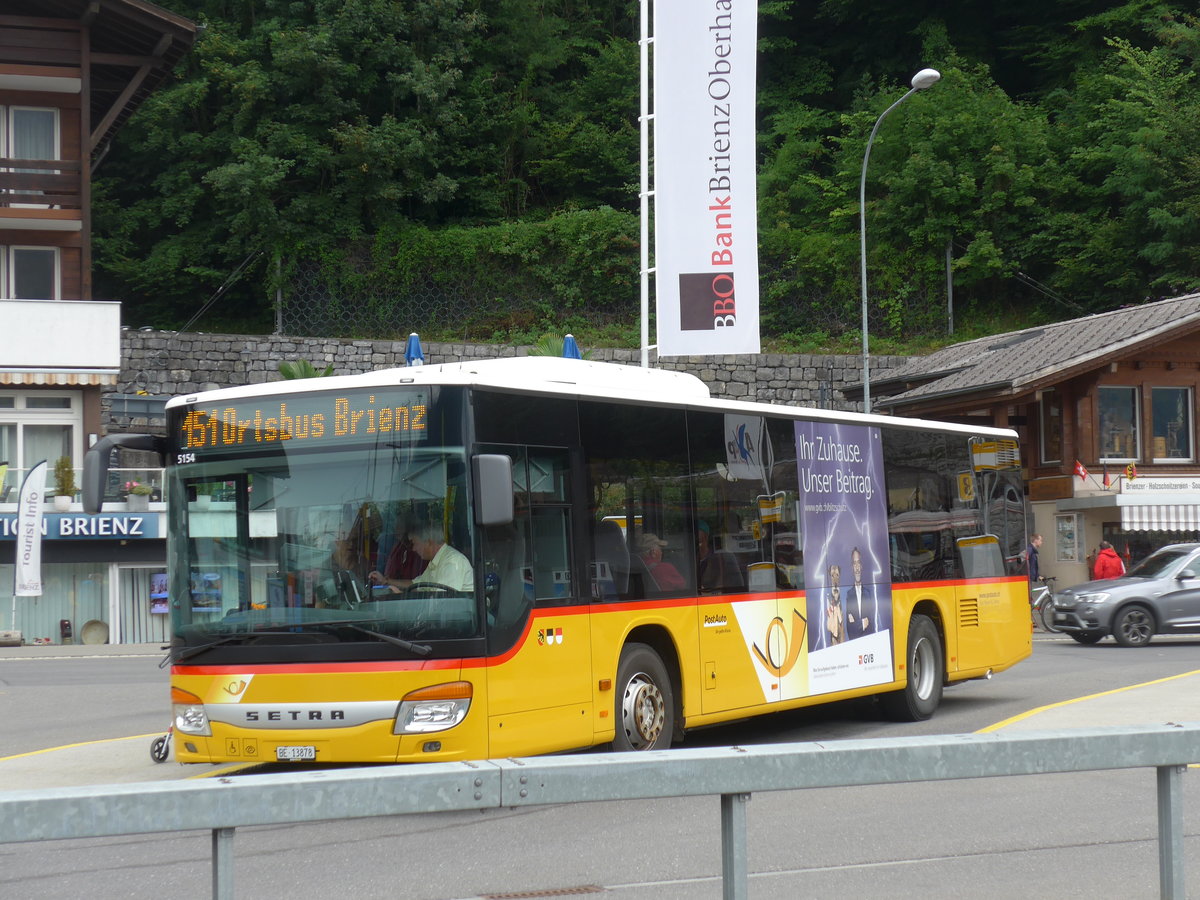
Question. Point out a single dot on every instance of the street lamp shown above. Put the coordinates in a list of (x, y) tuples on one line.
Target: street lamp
[(923, 79)]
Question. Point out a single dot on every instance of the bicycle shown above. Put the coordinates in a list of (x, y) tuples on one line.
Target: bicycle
[(1042, 604)]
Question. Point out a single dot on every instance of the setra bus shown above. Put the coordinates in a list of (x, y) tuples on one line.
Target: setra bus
[(596, 554)]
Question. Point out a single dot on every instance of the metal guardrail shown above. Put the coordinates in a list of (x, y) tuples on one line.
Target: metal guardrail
[(733, 774)]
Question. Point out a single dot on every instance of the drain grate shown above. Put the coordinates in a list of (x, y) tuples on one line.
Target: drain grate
[(548, 892)]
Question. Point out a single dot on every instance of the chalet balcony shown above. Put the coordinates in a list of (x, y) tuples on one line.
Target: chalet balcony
[(41, 195)]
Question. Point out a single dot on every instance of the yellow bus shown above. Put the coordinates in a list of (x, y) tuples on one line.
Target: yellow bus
[(435, 563)]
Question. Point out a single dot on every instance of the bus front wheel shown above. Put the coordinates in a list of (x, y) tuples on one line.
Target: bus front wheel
[(645, 703), (923, 692)]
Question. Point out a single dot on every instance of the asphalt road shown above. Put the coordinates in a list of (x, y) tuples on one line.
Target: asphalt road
[(1058, 836)]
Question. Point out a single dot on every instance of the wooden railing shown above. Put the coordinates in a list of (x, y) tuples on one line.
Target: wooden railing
[(40, 183)]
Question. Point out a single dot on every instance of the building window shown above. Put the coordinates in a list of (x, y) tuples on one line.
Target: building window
[(37, 425), (29, 273), (1051, 426), (1171, 424), (32, 133), (1119, 438)]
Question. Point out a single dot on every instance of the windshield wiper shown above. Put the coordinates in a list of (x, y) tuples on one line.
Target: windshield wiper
[(419, 649), (356, 625), (186, 652)]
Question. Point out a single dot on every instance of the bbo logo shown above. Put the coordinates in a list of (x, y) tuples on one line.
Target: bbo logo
[(550, 636), (706, 301)]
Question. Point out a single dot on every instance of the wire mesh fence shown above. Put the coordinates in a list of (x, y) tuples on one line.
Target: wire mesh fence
[(315, 302)]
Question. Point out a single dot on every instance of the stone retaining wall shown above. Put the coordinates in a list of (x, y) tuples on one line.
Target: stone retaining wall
[(164, 363)]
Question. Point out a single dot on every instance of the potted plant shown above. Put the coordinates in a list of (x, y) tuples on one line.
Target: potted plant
[(64, 478), (137, 495)]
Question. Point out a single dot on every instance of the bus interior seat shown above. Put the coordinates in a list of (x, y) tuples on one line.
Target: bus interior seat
[(608, 544), (731, 574), (640, 579)]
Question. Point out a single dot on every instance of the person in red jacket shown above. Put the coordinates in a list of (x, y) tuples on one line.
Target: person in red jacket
[(1108, 563)]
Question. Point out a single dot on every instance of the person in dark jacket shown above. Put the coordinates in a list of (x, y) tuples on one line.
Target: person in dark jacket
[(1031, 558), (1108, 563)]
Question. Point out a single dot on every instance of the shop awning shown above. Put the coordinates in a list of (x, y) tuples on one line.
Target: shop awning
[(1161, 517), (1160, 511), (77, 378)]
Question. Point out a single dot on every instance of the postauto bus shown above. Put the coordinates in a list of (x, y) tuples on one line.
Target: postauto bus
[(779, 557)]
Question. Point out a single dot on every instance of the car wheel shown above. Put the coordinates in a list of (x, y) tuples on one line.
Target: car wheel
[(1089, 637), (1133, 627)]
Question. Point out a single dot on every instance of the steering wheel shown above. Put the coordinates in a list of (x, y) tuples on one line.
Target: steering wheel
[(434, 587)]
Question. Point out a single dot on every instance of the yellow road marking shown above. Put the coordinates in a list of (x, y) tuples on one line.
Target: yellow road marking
[(1061, 703), (232, 769), (133, 737)]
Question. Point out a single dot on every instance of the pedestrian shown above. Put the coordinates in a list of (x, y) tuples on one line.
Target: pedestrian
[(1108, 563), (1031, 557)]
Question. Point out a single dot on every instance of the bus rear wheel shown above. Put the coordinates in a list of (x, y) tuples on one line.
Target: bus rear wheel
[(923, 693), (645, 702)]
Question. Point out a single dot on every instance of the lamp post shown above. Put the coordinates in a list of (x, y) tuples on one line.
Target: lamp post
[(923, 79)]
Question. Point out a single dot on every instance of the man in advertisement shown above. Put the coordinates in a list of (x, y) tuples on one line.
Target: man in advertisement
[(862, 609)]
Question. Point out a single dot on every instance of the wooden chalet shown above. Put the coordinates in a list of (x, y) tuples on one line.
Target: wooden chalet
[(1107, 409)]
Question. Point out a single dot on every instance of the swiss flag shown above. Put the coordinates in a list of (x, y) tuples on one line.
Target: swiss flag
[(1080, 470)]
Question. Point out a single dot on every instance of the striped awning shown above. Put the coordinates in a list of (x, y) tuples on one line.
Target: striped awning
[(1165, 517), (77, 378)]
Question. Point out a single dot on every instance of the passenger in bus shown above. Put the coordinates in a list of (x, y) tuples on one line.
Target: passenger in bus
[(715, 571), (403, 562), (862, 610), (835, 619), (707, 574), (666, 576), (446, 566)]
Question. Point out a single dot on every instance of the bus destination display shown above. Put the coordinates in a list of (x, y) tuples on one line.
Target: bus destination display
[(304, 419)]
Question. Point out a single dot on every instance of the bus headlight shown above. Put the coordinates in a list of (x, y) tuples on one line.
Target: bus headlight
[(190, 717), (434, 708)]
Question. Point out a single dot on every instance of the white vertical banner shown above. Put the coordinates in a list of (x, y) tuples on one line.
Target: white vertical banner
[(28, 578), (705, 205)]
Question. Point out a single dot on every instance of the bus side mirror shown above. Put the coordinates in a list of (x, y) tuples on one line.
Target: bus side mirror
[(493, 488), (95, 463)]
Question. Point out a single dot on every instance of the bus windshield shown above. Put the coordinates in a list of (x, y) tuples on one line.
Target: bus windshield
[(350, 531)]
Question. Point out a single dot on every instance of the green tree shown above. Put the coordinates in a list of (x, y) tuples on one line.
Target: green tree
[(289, 120), (961, 164), (1130, 136), (391, 144)]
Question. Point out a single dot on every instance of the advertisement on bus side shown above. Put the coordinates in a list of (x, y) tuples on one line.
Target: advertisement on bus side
[(843, 510)]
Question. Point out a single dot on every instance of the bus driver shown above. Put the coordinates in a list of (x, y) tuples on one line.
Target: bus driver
[(446, 566)]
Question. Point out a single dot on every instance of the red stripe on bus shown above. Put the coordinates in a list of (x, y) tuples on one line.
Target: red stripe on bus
[(399, 665)]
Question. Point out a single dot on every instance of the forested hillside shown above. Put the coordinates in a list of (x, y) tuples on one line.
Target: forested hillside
[(382, 146)]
